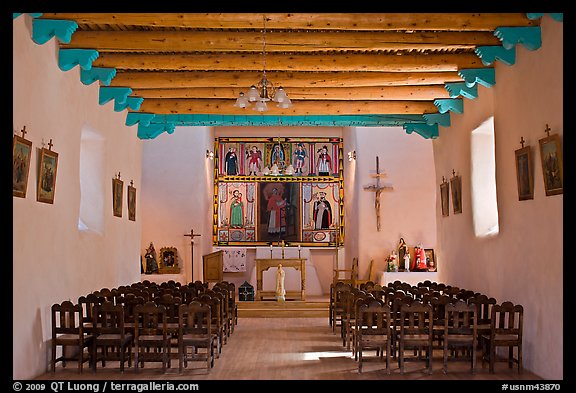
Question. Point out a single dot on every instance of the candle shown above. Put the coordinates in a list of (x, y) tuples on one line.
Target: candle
[(298, 247)]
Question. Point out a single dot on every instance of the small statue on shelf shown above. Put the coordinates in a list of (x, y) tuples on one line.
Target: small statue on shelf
[(151, 264), (402, 252), (420, 259)]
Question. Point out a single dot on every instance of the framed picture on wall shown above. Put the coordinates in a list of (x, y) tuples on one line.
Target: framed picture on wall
[(445, 197), (21, 153), (430, 260), (117, 192), (456, 186), (551, 157), (524, 175), (131, 203), (48, 164)]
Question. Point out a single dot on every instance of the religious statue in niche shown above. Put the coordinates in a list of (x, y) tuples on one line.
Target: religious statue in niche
[(236, 210), (254, 157), (324, 163), (231, 162), (299, 158), (150, 256), (277, 156), (322, 212)]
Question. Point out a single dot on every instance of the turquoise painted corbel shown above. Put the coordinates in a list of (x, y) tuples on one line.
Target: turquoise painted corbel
[(69, 58), (530, 37), (131, 102), (442, 119), (457, 89), (558, 17), (44, 29), (139, 118), (104, 75), (489, 54), (484, 76), (450, 104), (33, 15), (118, 94), (427, 131), (154, 129)]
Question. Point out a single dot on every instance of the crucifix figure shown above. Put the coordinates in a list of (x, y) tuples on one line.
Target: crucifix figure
[(191, 235), (377, 188)]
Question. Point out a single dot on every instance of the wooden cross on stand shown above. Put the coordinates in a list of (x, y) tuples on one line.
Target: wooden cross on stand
[(377, 188), (192, 235)]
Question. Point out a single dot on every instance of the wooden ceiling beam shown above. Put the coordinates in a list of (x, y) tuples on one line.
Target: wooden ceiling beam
[(148, 80), (363, 93), (305, 21), (281, 62), (249, 41), (300, 108)]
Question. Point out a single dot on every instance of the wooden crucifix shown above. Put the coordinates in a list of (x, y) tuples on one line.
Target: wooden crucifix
[(377, 188), (192, 235)]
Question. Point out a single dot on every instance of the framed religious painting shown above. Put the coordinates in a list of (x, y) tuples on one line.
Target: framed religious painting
[(445, 197), (21, 154), (430, 259), (524, 176), (456, 186), (131, 203), (279, 209), (551, 158), (48, 165), (117, 193)]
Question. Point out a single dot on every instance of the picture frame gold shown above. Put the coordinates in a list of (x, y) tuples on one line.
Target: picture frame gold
[(551, 159), (117, 194), (131, 203), (168, 261), (524, 174), (21, 154), (47, 168)]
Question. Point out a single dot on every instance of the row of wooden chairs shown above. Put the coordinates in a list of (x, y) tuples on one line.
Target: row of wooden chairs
[(447, 320), (121, 323)]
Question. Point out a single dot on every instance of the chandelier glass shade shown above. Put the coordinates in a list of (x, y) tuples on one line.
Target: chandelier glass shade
[(264, 91)]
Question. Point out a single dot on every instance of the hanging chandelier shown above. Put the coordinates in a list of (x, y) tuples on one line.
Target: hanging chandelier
[(264, 91)]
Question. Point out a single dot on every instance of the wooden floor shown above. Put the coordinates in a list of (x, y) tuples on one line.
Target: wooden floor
[(288, 349)]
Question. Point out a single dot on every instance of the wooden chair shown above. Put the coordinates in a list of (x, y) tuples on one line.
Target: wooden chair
[(68, 333), (371, 275), (195, 330), (151, 339), (374, 330), (338, 304), (484, 305), (415, 333), (505, 331), (460, 332), (110, 333), (350, 275), (88, 303)]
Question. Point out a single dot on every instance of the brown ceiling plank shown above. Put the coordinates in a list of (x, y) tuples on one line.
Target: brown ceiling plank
[(307, 21), (301, 108), (227, 41), (388, 93), (280, 62), (286, 79)]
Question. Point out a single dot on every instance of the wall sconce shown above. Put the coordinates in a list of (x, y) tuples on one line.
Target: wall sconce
[(209, 154), (351, 155)]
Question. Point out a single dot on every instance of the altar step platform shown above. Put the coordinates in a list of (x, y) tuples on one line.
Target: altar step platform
[(312, 307)]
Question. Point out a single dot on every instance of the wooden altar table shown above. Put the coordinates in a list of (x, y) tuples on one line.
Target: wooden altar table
[(266, 263)]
